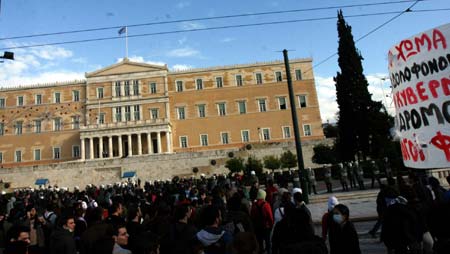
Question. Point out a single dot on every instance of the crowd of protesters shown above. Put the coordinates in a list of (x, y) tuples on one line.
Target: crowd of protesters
[(213, 215)]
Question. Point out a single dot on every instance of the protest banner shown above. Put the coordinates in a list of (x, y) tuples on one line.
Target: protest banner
[(419, 69)]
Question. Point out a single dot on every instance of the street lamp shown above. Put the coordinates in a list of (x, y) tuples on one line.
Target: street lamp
[(7, 55)]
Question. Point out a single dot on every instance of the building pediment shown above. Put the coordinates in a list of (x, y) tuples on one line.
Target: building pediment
[(126, 67)]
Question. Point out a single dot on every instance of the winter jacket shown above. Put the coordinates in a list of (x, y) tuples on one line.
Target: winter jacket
[(343, 238), (261, 214), (62, 242), (214, 240)]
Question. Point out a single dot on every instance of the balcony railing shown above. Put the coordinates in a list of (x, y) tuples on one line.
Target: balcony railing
[(126, 124)]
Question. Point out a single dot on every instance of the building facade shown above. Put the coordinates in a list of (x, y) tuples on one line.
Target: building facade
[(134, 109)]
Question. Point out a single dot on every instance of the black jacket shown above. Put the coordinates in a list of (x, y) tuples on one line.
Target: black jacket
[(343, 239), (62, 242)]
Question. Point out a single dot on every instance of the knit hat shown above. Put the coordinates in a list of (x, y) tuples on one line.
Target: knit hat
[(295, 190), (332, 201), (261, 194), (282, 190)]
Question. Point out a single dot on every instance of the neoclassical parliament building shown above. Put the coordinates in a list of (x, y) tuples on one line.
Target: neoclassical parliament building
[(135, 109)]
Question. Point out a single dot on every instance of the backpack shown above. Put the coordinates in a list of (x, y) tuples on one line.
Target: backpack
[(258, 217)]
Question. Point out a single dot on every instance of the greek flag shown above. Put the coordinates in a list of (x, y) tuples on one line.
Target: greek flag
[(123, 30)]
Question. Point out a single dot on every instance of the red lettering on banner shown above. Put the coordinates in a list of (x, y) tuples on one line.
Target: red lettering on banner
[(408, 48), (411, 151), (421, 91), (442, 142)]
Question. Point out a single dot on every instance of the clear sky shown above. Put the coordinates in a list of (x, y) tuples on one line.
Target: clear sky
[(316, 38)]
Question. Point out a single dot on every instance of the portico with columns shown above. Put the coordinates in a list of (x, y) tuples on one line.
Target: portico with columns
[(129, 142)]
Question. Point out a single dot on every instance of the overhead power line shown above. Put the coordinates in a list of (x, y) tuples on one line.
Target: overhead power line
[(210, 18), (374, 30), (202, 29)]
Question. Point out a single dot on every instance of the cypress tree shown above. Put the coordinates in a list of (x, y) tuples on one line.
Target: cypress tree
[(353, 98)]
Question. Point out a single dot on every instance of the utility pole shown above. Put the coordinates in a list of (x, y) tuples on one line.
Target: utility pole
[(298, 144)]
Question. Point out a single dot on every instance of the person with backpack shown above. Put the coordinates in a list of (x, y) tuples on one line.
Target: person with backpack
[(343, 236), (212, 238), (262, 218)]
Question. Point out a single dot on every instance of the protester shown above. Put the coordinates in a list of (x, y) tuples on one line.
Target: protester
[(343, 236), (262, 217), (213, 239), (120, 237), (328, 216), (62, 240)]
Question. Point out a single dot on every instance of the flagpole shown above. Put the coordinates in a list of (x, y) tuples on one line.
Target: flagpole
[(126, 42)]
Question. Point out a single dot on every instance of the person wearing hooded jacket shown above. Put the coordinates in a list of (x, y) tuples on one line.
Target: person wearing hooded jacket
[(212, 238), (61, 239)]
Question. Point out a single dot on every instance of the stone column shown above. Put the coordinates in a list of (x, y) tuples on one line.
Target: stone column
[(130, 148), (158, 138), (149, 143), (139, 143), (122, 88), (83, 150), (91, 148), (110, 146), (120, 146), (122, 110), (168, 141), (100, 147)]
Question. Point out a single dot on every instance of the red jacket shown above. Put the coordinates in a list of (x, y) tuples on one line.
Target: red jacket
[(266, 212)]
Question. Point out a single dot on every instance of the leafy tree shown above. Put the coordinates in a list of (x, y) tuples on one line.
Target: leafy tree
[(324, 154), (330, 130), (359, 117), (235, 165), (288, 160), (253, 164), (271, 162)]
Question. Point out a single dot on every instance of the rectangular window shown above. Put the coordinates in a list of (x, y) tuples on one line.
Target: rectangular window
[(76, 95), (298, 74), (135, 87), (127, 113), (307, 130), (183, 142), (245, 134), (302, 101), (76, 152), (57, 124), (18, 156), (38, 99), (278, 76), (37, 154), (2, 102), (37, 126), (154, 113), (262, 105), (126, 88), (201, 110), (266, 134), (99, 92), (116, 89), (101, 119), (1, 157), (181, 113), (286, 131), (204, 139), (222, 108), (2, 129), (57, 97), (242, 105), (153, 87), (75, 122), (282, 103), (219, 82), (137, 112), (224, 138), (18, 127), (259, 79), (19, 100), (199, 83), (56, 153), (179, 86), (118, 114), (239, 81)]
